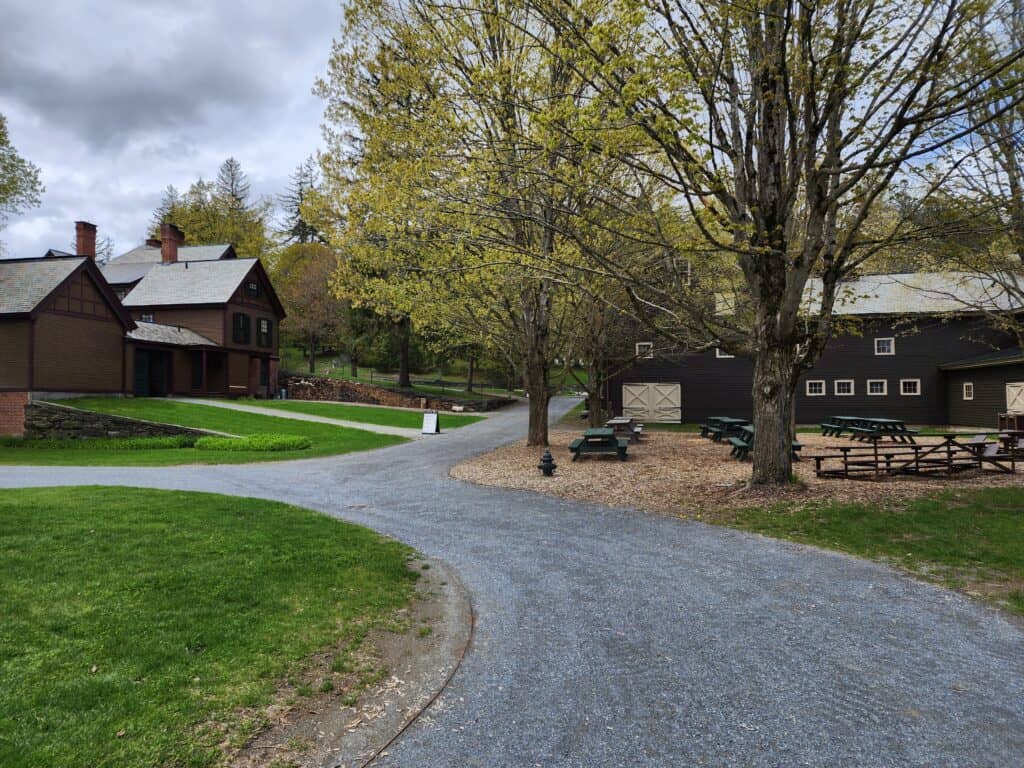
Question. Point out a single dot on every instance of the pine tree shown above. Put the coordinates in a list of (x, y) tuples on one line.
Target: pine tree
[(304, 179), (170, 200), (232, 184)]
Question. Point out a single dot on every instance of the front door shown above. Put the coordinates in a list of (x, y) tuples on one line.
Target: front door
[(1015, 397), (656, 402)]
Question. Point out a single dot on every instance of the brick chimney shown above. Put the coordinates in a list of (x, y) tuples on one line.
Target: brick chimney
[(170, 238), (85, 239)]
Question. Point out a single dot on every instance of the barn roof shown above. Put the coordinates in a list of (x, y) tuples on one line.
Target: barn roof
[(24, 283), (184, 282), (157, 333)]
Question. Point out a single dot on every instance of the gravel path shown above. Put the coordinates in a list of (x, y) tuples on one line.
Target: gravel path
[(607, 637), (383, 429)]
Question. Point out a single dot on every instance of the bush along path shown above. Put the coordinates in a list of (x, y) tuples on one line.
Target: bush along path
[(606, 637)]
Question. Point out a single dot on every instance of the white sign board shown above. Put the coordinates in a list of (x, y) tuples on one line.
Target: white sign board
[(430, 423)]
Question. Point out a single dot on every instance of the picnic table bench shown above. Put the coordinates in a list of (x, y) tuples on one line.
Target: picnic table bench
[(743, 444), (718, 427), (625, 426), (869, 428), (600, 440)]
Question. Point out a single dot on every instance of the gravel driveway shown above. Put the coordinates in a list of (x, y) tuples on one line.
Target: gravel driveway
[(607, 637)]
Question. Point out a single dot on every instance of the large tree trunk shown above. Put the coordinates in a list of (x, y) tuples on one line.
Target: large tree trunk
[(404, 330), (469, 373), (595, 380), (536, 373), (353, 366), (536, 387), (773, 394)]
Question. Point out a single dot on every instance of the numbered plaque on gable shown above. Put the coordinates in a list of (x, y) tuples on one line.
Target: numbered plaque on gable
[(430, 424)]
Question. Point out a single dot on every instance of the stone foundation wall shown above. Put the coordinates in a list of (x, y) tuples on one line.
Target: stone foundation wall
[(61, 422), (323, 388), (12, 413)]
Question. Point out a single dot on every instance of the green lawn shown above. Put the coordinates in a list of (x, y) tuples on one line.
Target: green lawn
[(326, 439), (367, 414), (964, 538), (133, 617)]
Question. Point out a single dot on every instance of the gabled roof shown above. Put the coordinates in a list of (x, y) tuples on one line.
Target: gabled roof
[(24, 283), (150, 254), (915, 293), (156, 333), (1009, 356), (195, 282)]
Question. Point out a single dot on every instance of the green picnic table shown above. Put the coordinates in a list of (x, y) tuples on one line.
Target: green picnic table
[(599, 440), (718, 427), (869, 428)]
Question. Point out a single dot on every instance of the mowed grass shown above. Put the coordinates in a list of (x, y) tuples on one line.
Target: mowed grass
[(132, 617), (326, 439), (367, 414), (970, 539)]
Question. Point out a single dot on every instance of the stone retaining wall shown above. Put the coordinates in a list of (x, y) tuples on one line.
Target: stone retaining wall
[(341, 390), (61, 422)]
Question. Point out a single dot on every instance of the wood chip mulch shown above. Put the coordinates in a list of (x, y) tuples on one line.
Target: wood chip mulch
[(690, 476)]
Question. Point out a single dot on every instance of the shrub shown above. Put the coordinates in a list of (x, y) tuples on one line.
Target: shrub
[(254, 443), (105, 443)]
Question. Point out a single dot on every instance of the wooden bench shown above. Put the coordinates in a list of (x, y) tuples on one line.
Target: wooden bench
[(581, 446), (832, 430), (741, 446)]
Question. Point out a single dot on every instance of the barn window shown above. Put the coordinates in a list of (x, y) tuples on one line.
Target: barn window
[(968, 390), (240, 328), (645, 350), (885, 346), (843, 387), (878, 387), (910, 387), (815, 387), (146, 317)]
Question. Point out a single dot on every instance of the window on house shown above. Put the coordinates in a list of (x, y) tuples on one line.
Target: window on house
[(252, 288), (843, 387), (146, 317), (240, 328), (910, 387), (877, 387), (645, 350), (968, 390), (815, 387), (885, 346), (263, 335), (721, 354)]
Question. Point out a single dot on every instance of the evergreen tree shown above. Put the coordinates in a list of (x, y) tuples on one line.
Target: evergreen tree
[(304, 180), (232, 184)]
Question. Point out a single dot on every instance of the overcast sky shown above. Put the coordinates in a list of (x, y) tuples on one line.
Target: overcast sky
[(115, 100)]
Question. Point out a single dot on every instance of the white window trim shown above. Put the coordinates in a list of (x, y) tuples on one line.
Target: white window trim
[(641, 346), (892, 346), (885, 387), (807, 388), (146, 317), (837, 382), (910, 394), (968, 387), (723, 355)]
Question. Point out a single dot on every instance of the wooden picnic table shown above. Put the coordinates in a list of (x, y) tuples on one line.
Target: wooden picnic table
[(718, 427), (869, 428), (599, 440), (625, 426)]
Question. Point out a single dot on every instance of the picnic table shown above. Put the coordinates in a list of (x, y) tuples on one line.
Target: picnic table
[(718, 427), (1011, 440), (743, 443), (599, 440), (869, 428), (625, 426)]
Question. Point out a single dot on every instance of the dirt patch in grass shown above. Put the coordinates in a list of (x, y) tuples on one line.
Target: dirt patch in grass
[(690, 476), (348, 703)]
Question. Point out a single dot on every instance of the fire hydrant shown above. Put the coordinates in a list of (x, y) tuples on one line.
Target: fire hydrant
[(547, 463)]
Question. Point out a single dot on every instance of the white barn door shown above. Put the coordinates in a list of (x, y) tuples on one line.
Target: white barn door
[(1015, 397), (653, 402)]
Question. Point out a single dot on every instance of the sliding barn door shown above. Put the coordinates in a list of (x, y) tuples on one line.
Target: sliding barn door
[(1015, 397), (653, 402)]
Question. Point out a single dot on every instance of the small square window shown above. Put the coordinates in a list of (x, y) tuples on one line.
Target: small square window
[(252, 288), (721, 354), (645, 350), (910, 387), (146, 317), (968, 390), (815, 388), (885, 346), (878, 387), (843, 387)]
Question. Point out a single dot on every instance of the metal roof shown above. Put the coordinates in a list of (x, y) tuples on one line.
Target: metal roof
[(195, 282), (157, 333), (915, 293), (1009, 356), (26, 282)]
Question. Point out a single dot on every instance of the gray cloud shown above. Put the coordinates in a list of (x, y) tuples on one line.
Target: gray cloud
[(117, 101)]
